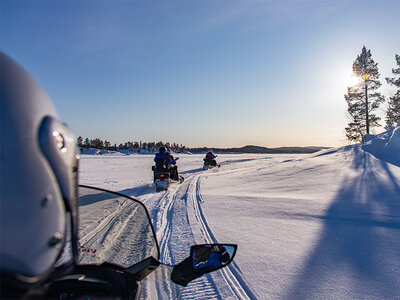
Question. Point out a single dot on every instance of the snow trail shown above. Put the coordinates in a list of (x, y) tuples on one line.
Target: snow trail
[(233, 281), (179, 223)]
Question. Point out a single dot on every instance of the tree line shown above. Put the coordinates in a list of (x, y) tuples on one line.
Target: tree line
[(131, 146), (363, 98)]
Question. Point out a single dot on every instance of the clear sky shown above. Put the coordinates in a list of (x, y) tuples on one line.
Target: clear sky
[(201, 73)]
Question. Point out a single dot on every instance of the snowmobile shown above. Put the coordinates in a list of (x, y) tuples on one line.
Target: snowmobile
[(210, 164), (162, 176), (119, 257)]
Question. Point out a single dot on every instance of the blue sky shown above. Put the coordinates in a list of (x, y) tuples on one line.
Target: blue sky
[(201, 73)]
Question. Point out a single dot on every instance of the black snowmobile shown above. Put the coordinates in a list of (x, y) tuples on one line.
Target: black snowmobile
[(210, 163), (164, 174), (119, 254)]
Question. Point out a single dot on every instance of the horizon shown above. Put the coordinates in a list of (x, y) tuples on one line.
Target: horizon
[(199, 147), (221, 73)]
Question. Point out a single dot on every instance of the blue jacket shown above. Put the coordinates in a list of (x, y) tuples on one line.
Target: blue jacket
[(166, 157), (211, 263)]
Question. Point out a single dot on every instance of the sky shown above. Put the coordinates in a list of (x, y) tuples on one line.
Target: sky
[(202, 73)]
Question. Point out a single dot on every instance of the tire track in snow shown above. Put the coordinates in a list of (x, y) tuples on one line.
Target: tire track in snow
[(166, 216), (173, 209), (231, 274), (175, 236), (164, 226)]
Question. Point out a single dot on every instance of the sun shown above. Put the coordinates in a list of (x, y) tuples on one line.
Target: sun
[(352, 80)]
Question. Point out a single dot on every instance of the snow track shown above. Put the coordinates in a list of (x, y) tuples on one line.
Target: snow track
[(234, 286), (179, 223)]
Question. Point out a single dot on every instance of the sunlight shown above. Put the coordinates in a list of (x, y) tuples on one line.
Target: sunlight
[(351, 80)]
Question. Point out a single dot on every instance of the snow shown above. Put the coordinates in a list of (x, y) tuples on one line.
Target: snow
[(323, 225), (385, 146)]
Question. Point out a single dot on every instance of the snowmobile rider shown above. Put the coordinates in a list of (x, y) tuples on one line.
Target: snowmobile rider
[(210, 258), (38, 191), (165, 161), (210, 158), (168, 152)]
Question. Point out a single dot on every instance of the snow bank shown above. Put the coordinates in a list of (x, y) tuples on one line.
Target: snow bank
[(385, 146), (94, 151)]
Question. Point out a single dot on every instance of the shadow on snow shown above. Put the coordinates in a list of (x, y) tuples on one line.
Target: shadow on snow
[(358, 253), (139, 191)]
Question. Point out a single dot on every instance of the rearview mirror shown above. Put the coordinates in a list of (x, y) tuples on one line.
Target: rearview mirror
[(208, 258), (203, 259)]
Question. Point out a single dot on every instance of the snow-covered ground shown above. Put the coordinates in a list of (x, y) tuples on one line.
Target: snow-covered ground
[(325, 225)]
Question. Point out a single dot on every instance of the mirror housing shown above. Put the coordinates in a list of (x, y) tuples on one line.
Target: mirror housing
[(203, 259), (210, 257)]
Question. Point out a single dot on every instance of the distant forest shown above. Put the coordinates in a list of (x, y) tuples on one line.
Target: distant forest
[(258, 149), (153, 147), (132, 146)]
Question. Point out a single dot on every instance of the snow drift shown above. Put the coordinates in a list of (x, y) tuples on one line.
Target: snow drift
[(385, 146)]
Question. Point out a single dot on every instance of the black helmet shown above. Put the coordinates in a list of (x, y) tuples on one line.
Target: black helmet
[(162, 149)]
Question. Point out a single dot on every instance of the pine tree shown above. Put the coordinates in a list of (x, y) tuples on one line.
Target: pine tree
[(393, 110), (363, 99), (87, 143), (79, 141)]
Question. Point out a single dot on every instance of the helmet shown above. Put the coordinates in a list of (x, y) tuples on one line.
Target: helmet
[(38, 192), (162, 149)]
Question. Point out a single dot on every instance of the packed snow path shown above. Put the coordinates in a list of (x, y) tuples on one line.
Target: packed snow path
[(180, 223), (325, 225)]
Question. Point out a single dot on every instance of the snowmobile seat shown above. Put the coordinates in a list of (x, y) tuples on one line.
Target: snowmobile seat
[(162, 165)]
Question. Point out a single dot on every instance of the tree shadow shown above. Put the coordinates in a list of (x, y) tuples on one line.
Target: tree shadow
[(192, 171), (98, 197), (107, 195), (139, 190), (358, 253)]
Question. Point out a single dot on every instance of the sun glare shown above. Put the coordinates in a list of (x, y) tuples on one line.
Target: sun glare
[(352, 80)]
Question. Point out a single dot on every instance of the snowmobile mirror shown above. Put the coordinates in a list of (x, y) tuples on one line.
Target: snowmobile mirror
[(203, 259), (211, 257)]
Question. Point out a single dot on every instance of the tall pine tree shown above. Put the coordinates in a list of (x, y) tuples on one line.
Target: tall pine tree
[(393, 110), (79, 141), (363, 99)]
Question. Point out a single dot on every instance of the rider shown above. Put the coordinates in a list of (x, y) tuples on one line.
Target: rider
[(168, 152), (166, 162), (210, 158), (38, 192), (174, 170), (210, 258)]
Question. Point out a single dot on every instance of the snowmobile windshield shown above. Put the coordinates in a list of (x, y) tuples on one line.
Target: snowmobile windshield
[(113, 228)]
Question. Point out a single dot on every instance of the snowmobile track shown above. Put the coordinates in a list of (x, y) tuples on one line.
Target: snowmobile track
[(182, 204), (231, 273)]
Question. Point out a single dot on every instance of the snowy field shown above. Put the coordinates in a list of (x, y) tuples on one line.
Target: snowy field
[(319, 226)]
